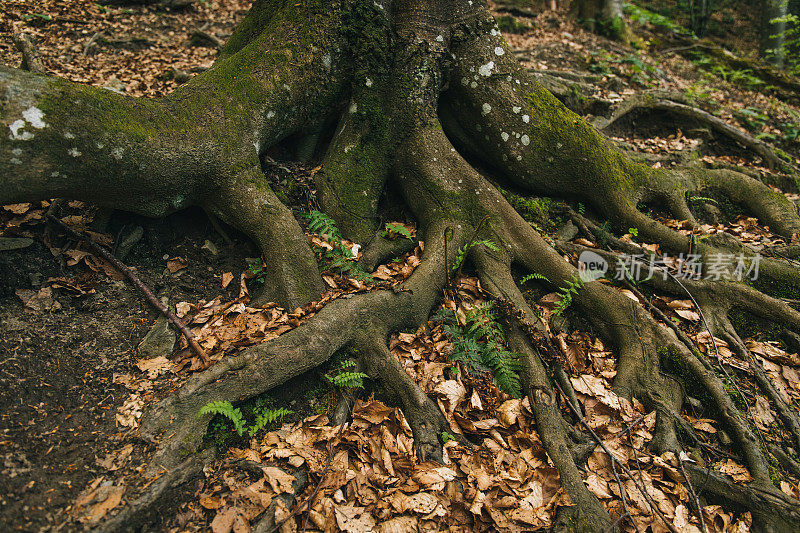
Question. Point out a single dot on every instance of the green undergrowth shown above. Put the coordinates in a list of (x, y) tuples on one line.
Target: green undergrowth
[(480, 346), (303, 396), (339, 259)]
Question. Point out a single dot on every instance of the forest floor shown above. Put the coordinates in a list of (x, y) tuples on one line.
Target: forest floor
[(74, 380)]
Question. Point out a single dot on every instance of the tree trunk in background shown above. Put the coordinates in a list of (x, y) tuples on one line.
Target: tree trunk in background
[(772, 39), (602, 16)]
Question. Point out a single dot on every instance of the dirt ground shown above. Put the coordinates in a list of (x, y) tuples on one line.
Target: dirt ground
[(57, 393)]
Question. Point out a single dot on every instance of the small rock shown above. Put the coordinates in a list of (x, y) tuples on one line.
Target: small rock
[(210, 247), (13, 243), (567, 232), (128, 241), (14, 324), (114, 84), (159, 341)]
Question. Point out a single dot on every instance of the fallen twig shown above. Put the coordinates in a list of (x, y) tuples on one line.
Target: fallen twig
[(119, 265)]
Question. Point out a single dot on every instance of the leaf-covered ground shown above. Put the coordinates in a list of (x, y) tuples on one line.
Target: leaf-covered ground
[(70, 455)]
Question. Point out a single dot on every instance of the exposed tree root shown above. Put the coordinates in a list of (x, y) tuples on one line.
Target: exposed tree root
[(493, 113), (648, 103)]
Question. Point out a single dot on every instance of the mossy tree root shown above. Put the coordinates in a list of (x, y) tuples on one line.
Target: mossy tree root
[(655, 102), (285, 72)]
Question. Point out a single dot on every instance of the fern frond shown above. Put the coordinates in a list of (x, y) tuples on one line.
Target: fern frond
[(322, 224), (268, 416), (347, 380), (396, 228), (226, 409), (533, 276)]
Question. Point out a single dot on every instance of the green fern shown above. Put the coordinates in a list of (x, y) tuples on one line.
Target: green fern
[(480, 345), (462, 252), (268, 416), (534, 276), (340, 259), (702, 199), (347, 380), (567, 293), (322, 224), (393, 228), (226, 409)]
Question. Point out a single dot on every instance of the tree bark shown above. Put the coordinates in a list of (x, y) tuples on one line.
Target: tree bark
[(771, 41), (415, 90), (602, 16)]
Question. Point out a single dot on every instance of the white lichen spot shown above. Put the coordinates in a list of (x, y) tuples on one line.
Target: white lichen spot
[(178, 201), (15, 133), (327, 61), (117, 153), (257, 146), (15, 161), (526, 119), (286, 87), (525, 140), (499, 50), (559, 145), (69, 135), (353, 107), (74, 152), (270, 114), (460, 181), (464, 81), (368, 83), (495, 32), (486, 70), (439, 39), (504, 136), (519, 158), (100, 146), (516, 109), (34, 115), (474, 84), (17, 151), (486, 109)]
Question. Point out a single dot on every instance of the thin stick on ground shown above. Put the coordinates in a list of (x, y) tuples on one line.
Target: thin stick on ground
[(133, 278)]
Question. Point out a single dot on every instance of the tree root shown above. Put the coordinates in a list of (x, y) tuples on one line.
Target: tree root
[(657, 102)]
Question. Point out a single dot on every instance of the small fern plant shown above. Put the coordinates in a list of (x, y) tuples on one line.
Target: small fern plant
[(394, 229), (567, 293), (268, 416), (344, 378), (340, 259), (225, 409), (481, 346), (464, 250), (535, 276)]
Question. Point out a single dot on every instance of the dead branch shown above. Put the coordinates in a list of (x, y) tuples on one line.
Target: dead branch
[(119, 265)]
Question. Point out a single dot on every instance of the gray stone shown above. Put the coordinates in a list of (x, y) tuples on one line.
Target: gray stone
[(567, 232), (160, 340), (14, 243)]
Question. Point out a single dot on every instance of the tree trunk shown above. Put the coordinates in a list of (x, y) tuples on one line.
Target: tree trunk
[(415, 91), (602, 16), (771, 43)]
